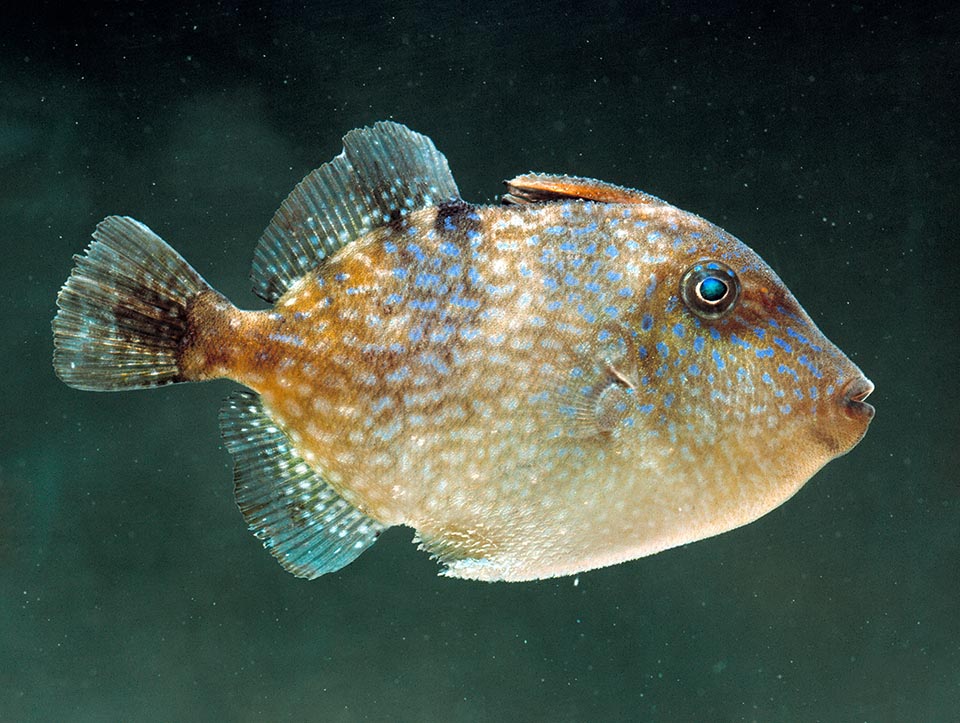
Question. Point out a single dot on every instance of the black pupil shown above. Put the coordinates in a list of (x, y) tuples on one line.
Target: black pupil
[(713, 289)]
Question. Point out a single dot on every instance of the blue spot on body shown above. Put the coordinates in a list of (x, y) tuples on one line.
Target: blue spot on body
[(426, 281), (718, 360), (399, 375), (416, 251), (434, 361), (423, 304), (651, 287), (380, 404), (782, 344), (784, 369), (646, 323), (662, 349), (698, 344), (291, 339), (810, 366), (463, 303), (678, 330)]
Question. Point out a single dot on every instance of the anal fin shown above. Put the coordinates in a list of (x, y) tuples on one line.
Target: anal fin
[(287, 504), (544, 188)]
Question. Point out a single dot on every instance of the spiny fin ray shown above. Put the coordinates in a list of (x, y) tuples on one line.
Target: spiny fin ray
[(544, 188)]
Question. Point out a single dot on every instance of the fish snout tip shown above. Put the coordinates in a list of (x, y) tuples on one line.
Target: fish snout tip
[(853, 395)]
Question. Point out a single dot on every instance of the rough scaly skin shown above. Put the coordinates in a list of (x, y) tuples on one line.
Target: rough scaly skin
[(524, 386)]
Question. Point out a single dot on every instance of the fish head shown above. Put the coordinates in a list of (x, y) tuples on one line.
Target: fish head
[(755, 388)]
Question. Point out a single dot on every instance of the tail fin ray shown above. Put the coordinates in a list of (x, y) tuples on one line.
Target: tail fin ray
[(123, 313)]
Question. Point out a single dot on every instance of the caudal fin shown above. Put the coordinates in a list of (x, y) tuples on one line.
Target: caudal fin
[(124, 311)]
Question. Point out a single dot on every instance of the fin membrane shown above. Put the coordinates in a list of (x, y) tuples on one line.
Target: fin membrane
[(123, 311), (301, 520), (595, 392), (544, 188), (384, 172), (459, 551)]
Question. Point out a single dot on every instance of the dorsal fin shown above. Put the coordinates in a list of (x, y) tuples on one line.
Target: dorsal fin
[(382, 173), (300, 518), (543, 187)]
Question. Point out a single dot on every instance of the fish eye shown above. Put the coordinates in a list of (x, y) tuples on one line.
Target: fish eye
[(710, 289)]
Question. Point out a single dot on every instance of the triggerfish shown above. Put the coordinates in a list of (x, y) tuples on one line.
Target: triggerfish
[(579, 376)]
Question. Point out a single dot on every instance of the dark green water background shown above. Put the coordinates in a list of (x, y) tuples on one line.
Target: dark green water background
[(824, 136)]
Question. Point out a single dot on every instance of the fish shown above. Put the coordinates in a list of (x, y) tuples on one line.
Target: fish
[(578, 376)]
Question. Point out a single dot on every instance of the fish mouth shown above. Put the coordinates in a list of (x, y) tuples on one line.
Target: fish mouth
[(853, 394)]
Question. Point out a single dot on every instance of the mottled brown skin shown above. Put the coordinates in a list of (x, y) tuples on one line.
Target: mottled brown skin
[(501, 488)]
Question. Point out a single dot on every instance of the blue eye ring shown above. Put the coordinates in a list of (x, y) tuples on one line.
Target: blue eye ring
[(710, 289)]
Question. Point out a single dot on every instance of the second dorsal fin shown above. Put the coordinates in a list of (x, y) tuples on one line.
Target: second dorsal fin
[(543, 188), (384, 172)]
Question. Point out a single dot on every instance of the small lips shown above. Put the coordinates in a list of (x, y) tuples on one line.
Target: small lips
[(854, 393)]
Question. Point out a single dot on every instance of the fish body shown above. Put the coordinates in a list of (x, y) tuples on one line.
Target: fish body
[(581, 376)]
